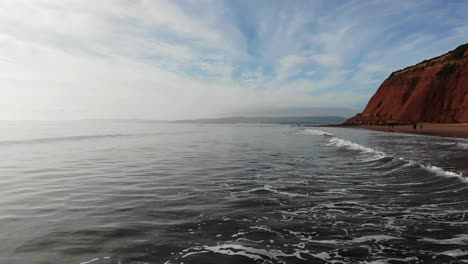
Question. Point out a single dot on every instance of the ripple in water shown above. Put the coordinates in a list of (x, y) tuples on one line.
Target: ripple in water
[(147, 193)]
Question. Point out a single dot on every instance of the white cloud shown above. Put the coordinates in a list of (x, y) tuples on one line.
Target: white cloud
[(289, 65), (62, 59)]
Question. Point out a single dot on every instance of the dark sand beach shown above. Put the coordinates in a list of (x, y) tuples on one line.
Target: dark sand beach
[(443, 130)]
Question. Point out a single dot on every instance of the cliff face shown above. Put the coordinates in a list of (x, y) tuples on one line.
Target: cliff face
[(434, 90)]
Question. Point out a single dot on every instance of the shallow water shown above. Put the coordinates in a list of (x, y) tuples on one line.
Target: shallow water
[(107, 192)]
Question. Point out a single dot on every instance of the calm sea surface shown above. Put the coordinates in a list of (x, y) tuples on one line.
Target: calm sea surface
[(109, 192)]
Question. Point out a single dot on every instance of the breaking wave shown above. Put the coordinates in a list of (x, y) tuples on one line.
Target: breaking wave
[(334, 141), (442, 172), (462, 145), (376, 154), (315, 132)]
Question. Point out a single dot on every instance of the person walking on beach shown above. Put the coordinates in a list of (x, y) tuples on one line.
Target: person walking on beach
[(414, 127), (420, 127)]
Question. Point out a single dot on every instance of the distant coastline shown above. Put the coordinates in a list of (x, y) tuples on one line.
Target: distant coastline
[(288, 120), (272, 120)]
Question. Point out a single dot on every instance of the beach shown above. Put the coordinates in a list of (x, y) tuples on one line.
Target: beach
[(443, 130)]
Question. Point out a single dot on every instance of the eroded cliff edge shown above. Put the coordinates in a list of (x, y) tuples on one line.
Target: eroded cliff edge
[(434, 90)]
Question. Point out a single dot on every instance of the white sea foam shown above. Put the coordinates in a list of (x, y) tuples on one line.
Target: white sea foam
[(89, 261), (379, 154), (269, 188), (342, 143), (461, 239), (315, 132), (334, 141), (391, 260), (323, 255), (450, 143), (345, 143), (462, 145), (442, 172), (454, 253), (375, 238), (239, 250), (390, 224)]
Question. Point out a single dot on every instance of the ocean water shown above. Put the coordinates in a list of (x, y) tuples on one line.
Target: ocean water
[(110, 192)]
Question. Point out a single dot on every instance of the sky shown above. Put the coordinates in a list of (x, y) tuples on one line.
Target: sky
[(63, 59)]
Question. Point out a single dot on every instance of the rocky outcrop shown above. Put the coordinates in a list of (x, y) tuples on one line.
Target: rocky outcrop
[(434, 90)]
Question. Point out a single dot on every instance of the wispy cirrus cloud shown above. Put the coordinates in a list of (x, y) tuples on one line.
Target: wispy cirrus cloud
[(185, 59)]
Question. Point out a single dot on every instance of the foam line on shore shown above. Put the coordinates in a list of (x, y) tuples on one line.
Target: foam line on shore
[(338, 142)]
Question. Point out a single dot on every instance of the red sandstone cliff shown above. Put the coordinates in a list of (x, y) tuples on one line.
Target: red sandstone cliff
[(434, 90)]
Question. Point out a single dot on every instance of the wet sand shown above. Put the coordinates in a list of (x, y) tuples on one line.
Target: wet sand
[(443, 130)]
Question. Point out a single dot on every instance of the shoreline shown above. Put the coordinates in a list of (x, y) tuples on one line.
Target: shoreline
[(429, 129)]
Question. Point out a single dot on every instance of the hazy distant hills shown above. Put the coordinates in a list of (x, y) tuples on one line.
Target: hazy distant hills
[(295, 111), (319, 120), (305, 120)]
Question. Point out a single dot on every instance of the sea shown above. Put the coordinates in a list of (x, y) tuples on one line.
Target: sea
[(101, 192)]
